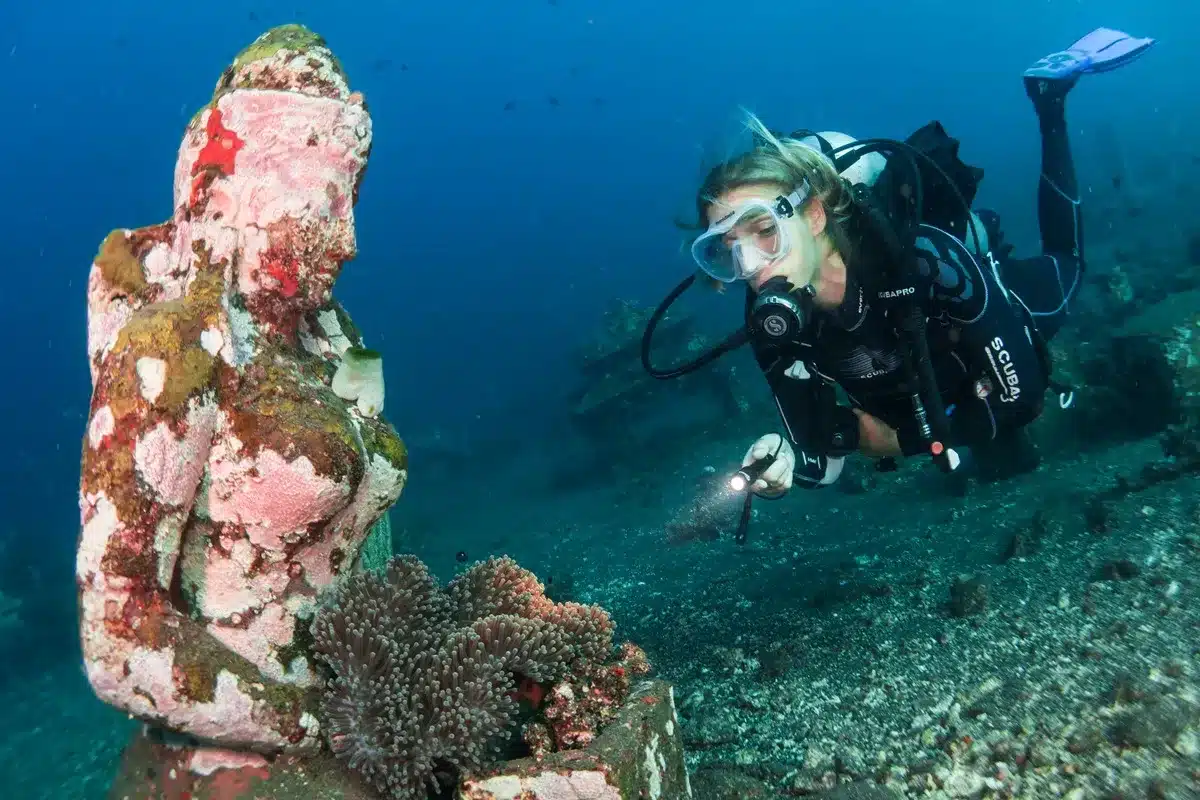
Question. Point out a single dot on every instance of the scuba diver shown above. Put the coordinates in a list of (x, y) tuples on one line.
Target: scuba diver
[(869, 274)]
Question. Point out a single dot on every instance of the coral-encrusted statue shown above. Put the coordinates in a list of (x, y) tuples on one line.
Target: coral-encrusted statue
[(224, 482)]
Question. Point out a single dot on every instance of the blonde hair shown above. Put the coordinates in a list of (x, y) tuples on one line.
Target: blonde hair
[(783, 162)]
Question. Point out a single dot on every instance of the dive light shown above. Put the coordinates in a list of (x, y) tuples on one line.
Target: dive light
[(742, 480), (745, 477)]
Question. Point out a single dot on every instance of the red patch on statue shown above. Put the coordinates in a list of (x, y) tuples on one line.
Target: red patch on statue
[(221, 150), (284, 268), (216, 157), (230, 784)]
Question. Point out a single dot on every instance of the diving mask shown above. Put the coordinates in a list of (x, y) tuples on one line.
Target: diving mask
[(748, 238)]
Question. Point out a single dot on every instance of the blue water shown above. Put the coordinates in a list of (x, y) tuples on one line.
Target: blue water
[(529, 159)]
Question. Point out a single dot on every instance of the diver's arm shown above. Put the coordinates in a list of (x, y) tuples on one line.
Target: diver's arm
[(811, 418), (995, 342)]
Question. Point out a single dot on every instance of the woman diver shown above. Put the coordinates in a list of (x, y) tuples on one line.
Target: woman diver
[(872, 274)]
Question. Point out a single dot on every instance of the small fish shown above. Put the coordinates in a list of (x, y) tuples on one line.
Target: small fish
[(553, 101), (1116, 182), (686, 532), (510, 105)]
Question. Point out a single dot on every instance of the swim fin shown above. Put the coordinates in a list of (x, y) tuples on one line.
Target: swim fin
[(1102, 50)]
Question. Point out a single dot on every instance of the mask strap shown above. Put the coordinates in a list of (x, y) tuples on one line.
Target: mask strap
[(789, 205)]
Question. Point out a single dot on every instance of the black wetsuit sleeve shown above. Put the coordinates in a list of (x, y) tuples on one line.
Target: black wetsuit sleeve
[(995, 343), (809, 410)]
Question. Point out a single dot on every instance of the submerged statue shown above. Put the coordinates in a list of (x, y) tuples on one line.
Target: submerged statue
[(236, 476), (234, 460)]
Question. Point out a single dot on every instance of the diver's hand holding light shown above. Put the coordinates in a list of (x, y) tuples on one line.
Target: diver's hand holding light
[(767, 467), (745, 477), (772, 467)]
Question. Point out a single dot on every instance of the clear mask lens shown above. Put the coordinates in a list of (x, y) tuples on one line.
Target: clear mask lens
[(751, 237), (743, 244)]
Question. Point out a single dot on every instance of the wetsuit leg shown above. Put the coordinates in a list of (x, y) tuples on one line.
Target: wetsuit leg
[(1046, 283)]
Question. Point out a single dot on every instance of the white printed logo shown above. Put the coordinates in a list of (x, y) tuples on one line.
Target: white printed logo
[(1002, 366)]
